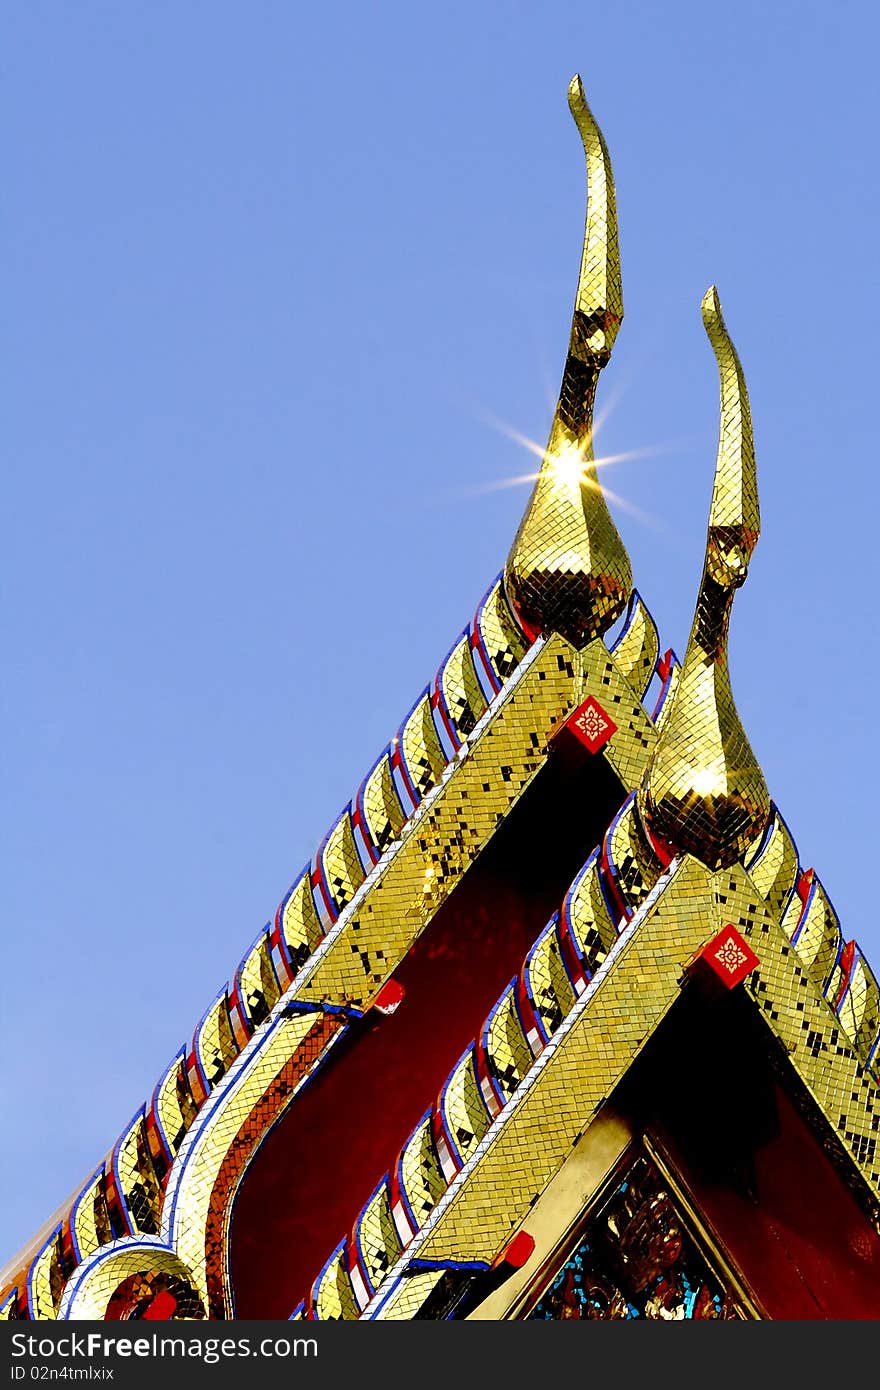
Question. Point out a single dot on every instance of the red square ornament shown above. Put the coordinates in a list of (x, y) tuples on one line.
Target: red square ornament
[(591, 724), (730, 956)]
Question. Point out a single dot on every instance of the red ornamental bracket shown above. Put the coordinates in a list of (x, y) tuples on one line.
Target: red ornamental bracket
[(516, 1253), (729, 956), (389, 998), (591, 725)]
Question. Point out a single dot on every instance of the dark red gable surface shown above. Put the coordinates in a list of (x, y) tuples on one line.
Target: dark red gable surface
[(716, 1090), (803, 1243), (711, 1087), (315, 1170)]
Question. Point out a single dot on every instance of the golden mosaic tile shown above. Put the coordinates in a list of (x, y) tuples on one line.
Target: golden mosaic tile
[(629, 751), (462, 693), (705, 792), (636, 650), (575, 1074), (464, 1112), (334, 1297), (774, 868), (446, 835), (568, 570), (508, 1054), (410, 1295), (420, 1174), (814, 1038)]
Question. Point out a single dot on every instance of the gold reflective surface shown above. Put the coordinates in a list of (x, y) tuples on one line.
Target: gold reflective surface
[(568, 570), (636, 650), (774, 869), (552, 1108), (496, 1149), (705, 792)]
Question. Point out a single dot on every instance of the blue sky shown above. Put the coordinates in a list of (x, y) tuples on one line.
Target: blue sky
[(271, 270)]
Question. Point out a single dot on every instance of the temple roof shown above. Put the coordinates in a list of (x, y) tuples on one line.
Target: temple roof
[(553, 729)]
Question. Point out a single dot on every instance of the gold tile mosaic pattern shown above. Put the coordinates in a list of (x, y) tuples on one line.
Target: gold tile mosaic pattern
[(89, 1221), (420, 745), (812, 924), (129, 1195), (136, 1178), (420, 1174), (638, 647), (604, 1031), (463, 700), (774, 867), (705, 791), (575, 1073), (858, 1006), (152, 1223), (628, 870), (631, 862), (460, 817), (376, 1237), (447, 836), (818, 1048), (464, 1111), (589, 918), (551, 990), (335, 1300), (507, 754), (629, 751), (568, 570), (126, 1276), (340, 863), (497, 637), (256, 987), (510, 1055), (384, 816)]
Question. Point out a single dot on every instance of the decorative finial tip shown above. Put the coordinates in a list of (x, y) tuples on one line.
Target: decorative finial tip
[(711, 309), (568, 571), (580, 110), (735, 494), (704, 791)]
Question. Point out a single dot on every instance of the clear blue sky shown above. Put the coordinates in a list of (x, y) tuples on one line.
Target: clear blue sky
[(269, 267)]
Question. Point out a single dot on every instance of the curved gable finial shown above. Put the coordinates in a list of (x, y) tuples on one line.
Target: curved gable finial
[(568, 570), (704, 791)]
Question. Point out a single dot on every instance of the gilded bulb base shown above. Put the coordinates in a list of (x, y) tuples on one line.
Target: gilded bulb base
[(716, 829), (580, 607)]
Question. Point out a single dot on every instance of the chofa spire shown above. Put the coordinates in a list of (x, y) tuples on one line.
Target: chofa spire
[(568, 570), (704, 791)]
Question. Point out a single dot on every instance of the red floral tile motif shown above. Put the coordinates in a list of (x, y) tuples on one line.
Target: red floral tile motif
[(591, 724), (730, 956)]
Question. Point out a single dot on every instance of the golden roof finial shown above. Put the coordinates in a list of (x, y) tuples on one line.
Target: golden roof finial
[(568, 571), (704, 791)]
